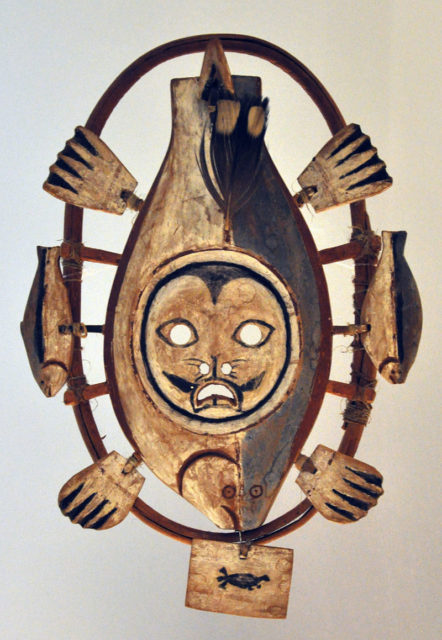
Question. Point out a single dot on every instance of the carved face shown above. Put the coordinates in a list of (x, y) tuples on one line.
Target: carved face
[(215, 340)]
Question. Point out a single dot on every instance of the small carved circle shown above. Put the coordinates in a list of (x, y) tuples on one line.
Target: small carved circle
[(229, 491), (256, 491)]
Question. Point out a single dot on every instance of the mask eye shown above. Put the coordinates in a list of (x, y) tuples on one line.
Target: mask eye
[(178, 333), (253, 333)]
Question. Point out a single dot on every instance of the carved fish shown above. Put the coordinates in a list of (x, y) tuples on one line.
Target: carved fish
[(392, 308), (49, 351)]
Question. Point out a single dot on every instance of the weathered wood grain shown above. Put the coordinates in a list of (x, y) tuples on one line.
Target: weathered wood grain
[(88, 174), (185, 380), (49, 351), (341, 488), (223, 582), (101, 496), (345, 170), (392, 309)]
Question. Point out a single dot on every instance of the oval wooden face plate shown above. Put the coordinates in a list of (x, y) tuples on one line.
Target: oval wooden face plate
[(272, 280)]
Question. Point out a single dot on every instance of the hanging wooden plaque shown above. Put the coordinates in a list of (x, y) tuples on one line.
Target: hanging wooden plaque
[(222, 581)]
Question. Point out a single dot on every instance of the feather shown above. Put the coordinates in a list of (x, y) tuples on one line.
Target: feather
[(236, 142)]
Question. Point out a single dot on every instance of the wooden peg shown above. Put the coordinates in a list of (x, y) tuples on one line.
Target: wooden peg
[(365, 244), (341, 488), (81, 330), (351, 391), (101, 496), (350, 329), (85, 393), (88, 174), (79, 253), (345, 170), (49, 351)]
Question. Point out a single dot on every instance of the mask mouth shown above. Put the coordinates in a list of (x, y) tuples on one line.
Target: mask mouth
[(216, 393)]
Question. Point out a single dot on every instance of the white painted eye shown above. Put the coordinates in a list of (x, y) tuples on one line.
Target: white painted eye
[(253, 333), (178, 333), (226, 368), (204, 368), (250, 335)]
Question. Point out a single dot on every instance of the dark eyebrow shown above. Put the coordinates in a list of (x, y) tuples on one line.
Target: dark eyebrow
[(216, 276)]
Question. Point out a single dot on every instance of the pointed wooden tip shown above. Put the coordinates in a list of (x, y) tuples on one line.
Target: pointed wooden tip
[(215, 65)]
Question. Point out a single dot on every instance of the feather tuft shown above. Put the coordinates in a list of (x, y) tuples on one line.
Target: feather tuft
[(256, 121), (236, 143), (227, 112)]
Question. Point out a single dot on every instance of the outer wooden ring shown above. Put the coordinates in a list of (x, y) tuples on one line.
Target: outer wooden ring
[(73, 223)]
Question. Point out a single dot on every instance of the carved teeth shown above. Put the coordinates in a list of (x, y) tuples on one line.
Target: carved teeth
[(219, 390)]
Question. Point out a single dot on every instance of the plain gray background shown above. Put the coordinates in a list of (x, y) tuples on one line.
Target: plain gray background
[(380, 61)]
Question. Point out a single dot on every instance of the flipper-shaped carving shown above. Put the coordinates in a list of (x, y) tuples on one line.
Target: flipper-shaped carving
[(392, 308), (101, 496), (345, 170), (341, 488), (88, 174), (220, 478), (49, 351)]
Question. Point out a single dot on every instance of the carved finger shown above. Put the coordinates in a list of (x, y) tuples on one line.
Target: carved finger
[(363, 176), (78, 168), (355, 162), (346, 143), (63, 179)]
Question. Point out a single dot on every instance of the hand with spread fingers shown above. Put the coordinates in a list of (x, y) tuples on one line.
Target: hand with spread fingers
[(341, 488), (101, 496), (88, 174)]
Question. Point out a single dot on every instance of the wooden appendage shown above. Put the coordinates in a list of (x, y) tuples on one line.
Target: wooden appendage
[(339, 487), (101, 496), (392, 309), (88, 174), (345, 170), (49, 351)]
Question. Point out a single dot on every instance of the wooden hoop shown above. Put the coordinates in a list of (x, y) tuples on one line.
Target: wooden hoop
[(362, 371)]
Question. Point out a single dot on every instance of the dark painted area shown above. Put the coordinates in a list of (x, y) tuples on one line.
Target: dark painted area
[(267, 228), (241, 580), (408, 306)]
